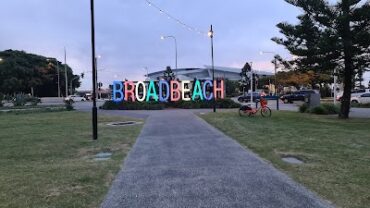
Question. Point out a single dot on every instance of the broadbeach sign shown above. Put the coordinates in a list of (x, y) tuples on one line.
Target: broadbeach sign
[(167, 91)]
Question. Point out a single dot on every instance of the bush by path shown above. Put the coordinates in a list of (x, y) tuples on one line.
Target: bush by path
[(225, 103)]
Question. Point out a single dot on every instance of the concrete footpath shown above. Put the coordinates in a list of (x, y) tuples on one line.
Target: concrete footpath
[(181, 161)]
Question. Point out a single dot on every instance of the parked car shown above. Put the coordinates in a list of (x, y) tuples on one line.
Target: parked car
[(75, 98), (362, 99), (296, 96), (354, 93), (247, 98)]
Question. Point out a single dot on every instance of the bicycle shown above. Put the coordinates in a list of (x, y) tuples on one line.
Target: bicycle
[(264, 109)]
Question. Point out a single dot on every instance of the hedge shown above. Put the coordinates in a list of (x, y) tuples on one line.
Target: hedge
[(323, 109), (224, 103)]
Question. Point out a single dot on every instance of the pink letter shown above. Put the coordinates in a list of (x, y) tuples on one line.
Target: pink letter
[(130, 93), (175, 91), (218, 90)]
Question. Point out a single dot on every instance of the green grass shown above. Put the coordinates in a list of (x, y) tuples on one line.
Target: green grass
[(31, 107), (46, 159), (336, 152)]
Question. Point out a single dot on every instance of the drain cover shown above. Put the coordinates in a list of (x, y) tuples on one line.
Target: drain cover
[(103, 156), (124, 123), (292, 160)]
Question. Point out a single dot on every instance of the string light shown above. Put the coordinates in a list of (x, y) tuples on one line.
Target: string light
[(169, 16)]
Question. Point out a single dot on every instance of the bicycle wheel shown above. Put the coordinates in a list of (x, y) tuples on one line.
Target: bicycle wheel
[(266, 112), (242, 113)]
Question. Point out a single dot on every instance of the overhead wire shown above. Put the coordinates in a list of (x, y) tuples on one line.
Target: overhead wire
[(177, 20)]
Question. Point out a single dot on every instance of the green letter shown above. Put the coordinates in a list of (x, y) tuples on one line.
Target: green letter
[(151, 92), (197, 91)]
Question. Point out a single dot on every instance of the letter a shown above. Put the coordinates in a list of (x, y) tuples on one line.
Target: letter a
[(197, 91), (152, 93)]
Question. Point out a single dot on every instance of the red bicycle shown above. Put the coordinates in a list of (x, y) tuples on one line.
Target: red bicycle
[(248, 111)]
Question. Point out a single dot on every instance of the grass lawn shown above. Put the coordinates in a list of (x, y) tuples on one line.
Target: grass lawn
[(46, 159), (336, 152)]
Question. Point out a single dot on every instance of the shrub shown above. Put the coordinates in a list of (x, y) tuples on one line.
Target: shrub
[(110, 105), (22, 99), (225, 103), (69, 105), (33, 100), (331, 108), (1, 99), (19, 100), (304, 108), (320, 110), (360, 105)]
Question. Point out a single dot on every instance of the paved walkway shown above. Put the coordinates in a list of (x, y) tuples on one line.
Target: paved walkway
[(181, 161)]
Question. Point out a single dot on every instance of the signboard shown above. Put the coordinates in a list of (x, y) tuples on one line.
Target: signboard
[(167, 91)]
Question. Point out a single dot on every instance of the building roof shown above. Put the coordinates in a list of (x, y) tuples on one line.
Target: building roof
[(184, 71)]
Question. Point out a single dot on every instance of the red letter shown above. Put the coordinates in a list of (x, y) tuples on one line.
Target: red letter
[(129, 93), (175, 91), (218, 90)]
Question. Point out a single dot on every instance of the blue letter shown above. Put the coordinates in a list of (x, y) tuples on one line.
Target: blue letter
[(167, 92), (119, 91), (208, 82)]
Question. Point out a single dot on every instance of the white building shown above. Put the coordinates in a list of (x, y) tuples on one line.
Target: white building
[(206, 73)]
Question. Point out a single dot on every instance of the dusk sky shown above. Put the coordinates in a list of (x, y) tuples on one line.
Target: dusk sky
[(128, 33)]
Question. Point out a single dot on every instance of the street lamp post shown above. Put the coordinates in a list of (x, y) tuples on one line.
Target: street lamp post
[(93, 59), (275, 67), (210, 34), (96, 73), (174, 38), (65, 71)]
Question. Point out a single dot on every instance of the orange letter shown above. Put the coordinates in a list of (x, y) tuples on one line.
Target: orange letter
[(218, 90), (130, 93), (175, 91)]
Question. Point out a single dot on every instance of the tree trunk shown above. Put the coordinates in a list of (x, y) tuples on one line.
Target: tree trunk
[(348, 62)]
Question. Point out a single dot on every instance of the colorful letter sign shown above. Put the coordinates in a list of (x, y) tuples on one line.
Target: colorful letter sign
[(164, 91)]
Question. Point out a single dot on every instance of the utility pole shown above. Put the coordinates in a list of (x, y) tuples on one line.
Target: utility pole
[(93, 59), (65, 71), (58, 77), (335, 86), (251, 83), (276, 84), (210, 34)]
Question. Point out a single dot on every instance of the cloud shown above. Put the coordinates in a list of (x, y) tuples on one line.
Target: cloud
[(128, 33)]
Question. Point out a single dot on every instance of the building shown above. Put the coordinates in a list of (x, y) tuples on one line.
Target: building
[(205, 73)]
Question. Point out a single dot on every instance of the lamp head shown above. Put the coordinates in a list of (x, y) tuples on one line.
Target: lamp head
[(210, 32)]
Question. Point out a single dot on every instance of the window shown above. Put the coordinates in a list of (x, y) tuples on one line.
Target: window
[(366, 95)]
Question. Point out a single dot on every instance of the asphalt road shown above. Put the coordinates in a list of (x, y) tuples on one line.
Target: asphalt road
[(181, 161)]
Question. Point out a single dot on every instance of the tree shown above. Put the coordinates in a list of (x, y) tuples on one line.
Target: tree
[(245, 77), (330, 36), (168, 74), (21, 72), (231, 88)]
